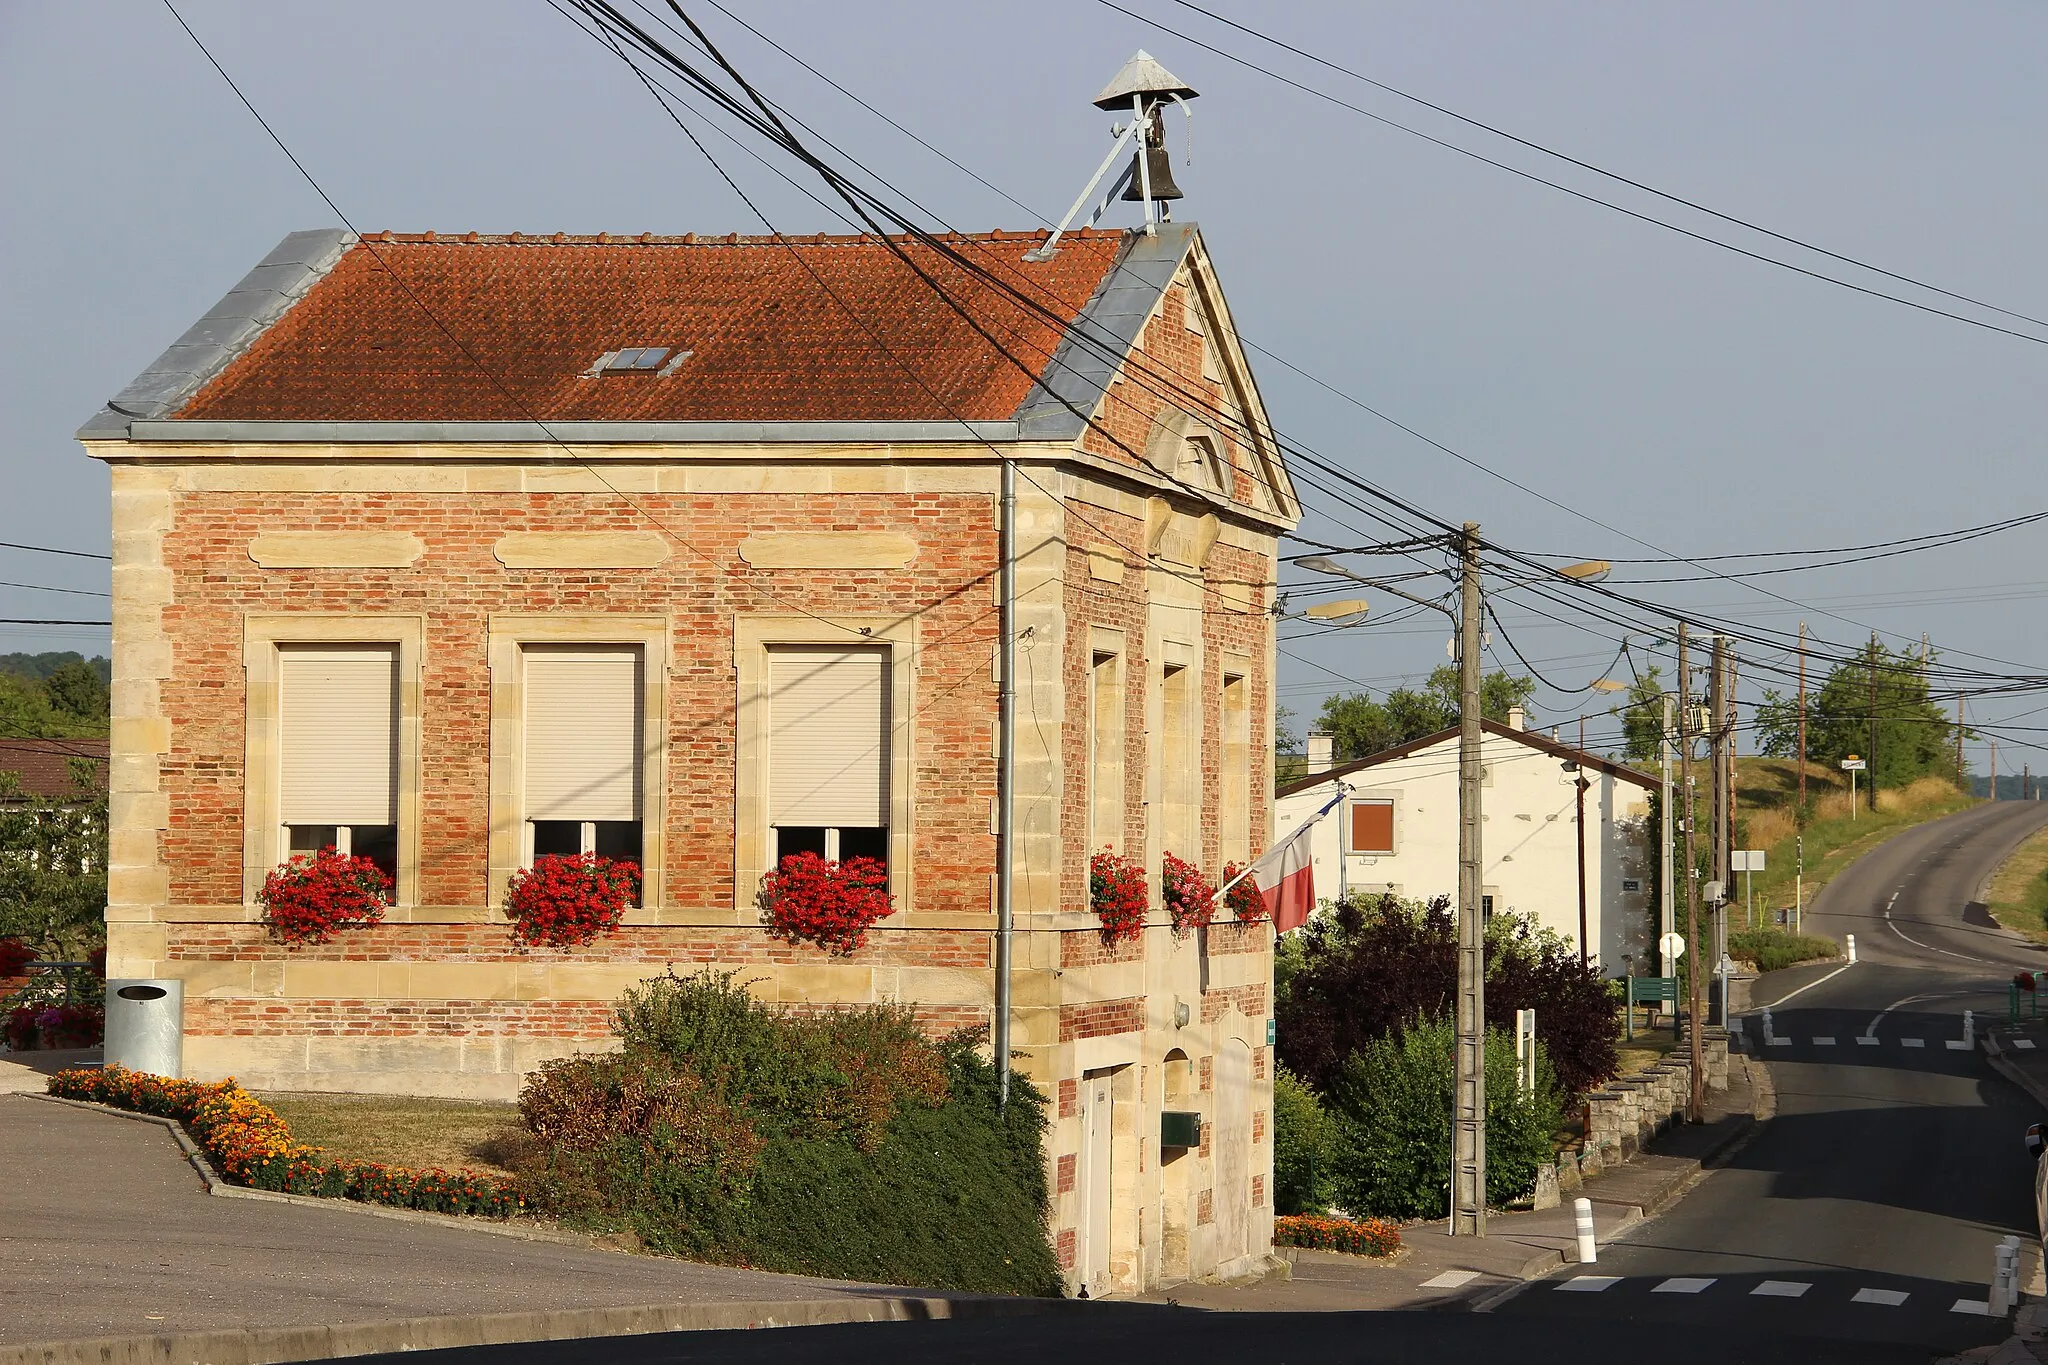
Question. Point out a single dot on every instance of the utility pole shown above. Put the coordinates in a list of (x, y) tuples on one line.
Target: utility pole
[(1959, 742), (1697, 1101), (1668, 910), (1802, 720), (1872, 779), (1994, 770), (1717, 742), (1468, 1156)]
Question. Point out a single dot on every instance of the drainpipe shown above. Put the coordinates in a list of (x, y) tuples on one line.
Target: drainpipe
[(1006, 769)]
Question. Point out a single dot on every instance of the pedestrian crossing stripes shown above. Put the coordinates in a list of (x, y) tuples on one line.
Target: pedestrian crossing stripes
[(1866, 1041), (1823, 1042), (1451, 1279), (1769, 1289), (2027, 1043), (1912, 1042)]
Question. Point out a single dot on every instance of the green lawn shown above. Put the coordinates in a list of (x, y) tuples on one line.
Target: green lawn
[(2019, 892)]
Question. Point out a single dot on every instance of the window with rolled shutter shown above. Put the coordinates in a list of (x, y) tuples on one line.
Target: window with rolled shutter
[(1372, 827), (828, 749), (338, 737), (582, 733)]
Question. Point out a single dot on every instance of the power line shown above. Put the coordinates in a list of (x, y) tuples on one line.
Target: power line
[(51, 550), (1608, 203)]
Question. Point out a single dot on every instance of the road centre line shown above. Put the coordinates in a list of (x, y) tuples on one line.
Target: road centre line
[(1451, 1279), (1890, 1298), (1683, 1284), (1589, 1284), (1781, 1289), (1807, 987)]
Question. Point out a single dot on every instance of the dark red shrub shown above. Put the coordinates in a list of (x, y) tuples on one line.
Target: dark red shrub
[(14, 955), (809, 899), (565, 900), (306, 899)]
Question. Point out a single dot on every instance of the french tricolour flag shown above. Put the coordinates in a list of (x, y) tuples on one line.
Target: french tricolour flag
[(1285, 874)]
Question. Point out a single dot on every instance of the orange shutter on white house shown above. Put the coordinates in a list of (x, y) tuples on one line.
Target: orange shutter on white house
[(1372, 827)]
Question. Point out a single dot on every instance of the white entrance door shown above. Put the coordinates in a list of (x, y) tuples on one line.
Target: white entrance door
[(1233, 1150), (1095, 1183)]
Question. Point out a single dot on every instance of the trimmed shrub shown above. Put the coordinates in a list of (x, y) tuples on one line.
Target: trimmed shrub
[(1372, 1237), (1301, 1147), (1771, 950), (1390, 1114), (1373, 963), (842, 1143)]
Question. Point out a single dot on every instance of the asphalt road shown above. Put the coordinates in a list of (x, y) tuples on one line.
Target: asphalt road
[(1867, 1210)]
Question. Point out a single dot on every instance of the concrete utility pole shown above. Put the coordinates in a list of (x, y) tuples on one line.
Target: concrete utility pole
[(1468, 1128), (1469, 1118), (1994, 770), (1717, 747), (1872, 779), (1695, 996), (1959, 743), (1667, 908)]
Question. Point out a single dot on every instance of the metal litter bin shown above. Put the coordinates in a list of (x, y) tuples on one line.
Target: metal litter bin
[(146, 1026)]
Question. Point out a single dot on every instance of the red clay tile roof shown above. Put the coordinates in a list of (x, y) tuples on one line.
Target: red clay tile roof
[(42, 767), (768, 342)]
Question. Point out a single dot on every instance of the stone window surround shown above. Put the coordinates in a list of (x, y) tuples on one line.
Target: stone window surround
[(508, 636), (753, 636), (262, 837)]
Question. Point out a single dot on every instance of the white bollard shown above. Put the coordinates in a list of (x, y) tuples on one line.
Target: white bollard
[(1769, 1032), (1852, 947), (1582, 1218), (1969, 1028)]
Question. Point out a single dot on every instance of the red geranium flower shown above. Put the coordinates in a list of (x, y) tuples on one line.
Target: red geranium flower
[(306, 899), (565, 900)]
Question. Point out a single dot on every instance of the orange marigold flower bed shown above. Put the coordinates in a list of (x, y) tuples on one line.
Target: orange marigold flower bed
[(249, 1144), (1370, 1237)]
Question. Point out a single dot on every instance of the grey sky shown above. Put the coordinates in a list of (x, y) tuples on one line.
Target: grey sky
[(1701, 401)]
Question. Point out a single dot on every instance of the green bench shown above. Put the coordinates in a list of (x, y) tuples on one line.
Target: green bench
[(1648, 990)]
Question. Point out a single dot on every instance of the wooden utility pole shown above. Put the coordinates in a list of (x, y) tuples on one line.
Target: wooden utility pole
[(1468, 1128), (1959, 742), (1802, 721), (1695, 996)]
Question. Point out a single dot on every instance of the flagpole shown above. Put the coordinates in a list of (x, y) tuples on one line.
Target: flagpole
[(1343, 790)]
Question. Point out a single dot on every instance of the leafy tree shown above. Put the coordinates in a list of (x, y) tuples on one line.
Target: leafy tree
[(76, 689), (53, 866), (1874, 705), (1362, 726), (1642, 718)]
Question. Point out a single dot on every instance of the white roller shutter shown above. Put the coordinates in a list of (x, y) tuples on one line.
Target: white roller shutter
[(828, 737), (583, 732), (338, 734)]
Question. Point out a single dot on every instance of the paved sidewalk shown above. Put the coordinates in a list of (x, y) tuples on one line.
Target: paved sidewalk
[(107, 1232), (28, 1073), (1436, 1270)]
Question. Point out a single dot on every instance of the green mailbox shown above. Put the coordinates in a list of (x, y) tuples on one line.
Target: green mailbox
[(1180, 1128)]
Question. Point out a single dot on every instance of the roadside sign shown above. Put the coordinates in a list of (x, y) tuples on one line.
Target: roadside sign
[(1853, 764), (1672, 946), (1746, 860)]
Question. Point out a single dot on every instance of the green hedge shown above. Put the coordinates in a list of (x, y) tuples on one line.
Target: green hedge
[(1301, 1147), (841, 1144), (1390, 1114), (1774, 949)]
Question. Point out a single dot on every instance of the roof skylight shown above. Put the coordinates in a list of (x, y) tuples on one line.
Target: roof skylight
[(638, 358)]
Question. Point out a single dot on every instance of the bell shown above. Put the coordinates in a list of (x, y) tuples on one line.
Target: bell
[(1161, 172)]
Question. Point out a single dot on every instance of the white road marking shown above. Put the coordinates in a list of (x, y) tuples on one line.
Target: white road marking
[(2023, 1042), (1890, 1298), (1956, 1045), (1451, 1279), (1781, 1289), (1682, 1284), (1589, 1284), (1823, 1042), (1807, 987), (1781, 1042), (1913, 1042), (1866, 1041), (1976, 1306)]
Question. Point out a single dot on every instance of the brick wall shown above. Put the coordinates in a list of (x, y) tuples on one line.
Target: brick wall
[(1101, 1019)]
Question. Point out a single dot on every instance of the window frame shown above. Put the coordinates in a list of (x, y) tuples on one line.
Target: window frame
[(1390, 799), (509, 635), (265, 841), (1105, 778), (754, 636)]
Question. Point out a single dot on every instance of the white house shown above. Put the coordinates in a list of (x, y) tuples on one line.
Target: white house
[(1398, 831)]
